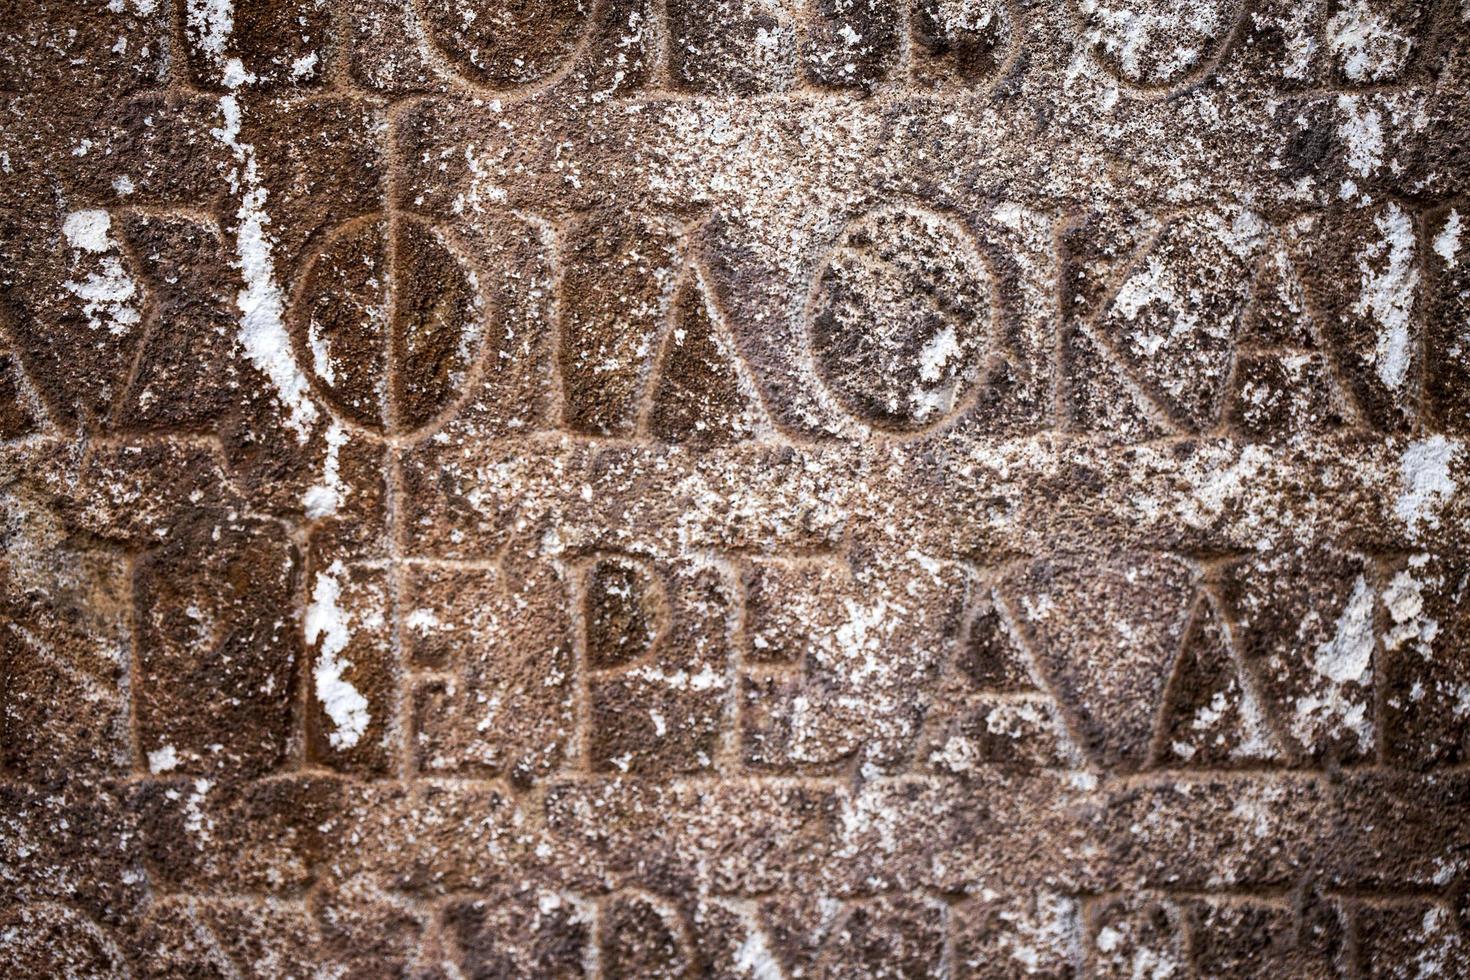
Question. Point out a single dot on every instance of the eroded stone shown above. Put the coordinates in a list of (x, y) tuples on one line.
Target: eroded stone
[(756, 488)]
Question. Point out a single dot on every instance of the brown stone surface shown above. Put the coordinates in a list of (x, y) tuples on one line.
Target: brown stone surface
[(735, 488)]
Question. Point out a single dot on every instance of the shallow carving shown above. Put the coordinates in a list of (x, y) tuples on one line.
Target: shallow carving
[(901, 318), (735, 488)]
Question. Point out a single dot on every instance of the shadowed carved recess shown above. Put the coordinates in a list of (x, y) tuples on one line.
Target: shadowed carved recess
[(1209, 323), (902, 319), (644, 348), (390, 322), (508, 44)]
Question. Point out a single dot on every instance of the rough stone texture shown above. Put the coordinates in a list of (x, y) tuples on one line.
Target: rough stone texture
[(735, 488)]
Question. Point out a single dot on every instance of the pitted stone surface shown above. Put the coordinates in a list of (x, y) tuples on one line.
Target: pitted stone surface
[(735, 488)]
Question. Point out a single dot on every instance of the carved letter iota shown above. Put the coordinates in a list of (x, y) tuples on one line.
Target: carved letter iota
[(902, 318), (508, 43), (391, 321)]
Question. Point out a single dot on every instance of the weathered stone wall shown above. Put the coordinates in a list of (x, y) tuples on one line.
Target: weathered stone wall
[(735, 488)]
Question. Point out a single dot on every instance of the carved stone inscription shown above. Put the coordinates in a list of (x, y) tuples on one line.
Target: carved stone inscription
[(735, 488)]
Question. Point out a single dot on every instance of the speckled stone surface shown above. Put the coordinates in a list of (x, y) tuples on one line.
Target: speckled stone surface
[(735, 488)]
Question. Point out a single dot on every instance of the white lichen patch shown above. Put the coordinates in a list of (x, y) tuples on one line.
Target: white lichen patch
[(262, 332), (323, 499), (1155, 43), (196, 821), (1390, 282), (88, 231), (1425, 483), (1256, 741), (108, 294), (1447, 242), (1342, 665), (1438, 945), (1127, 952), (304, 66), (753, 958), (1361, 132), (1404, 600), (210, 23), (329, 623), (936, 353), (957, 754), (1368, 47), (1041, 940), (162, 759), (424, 622)]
